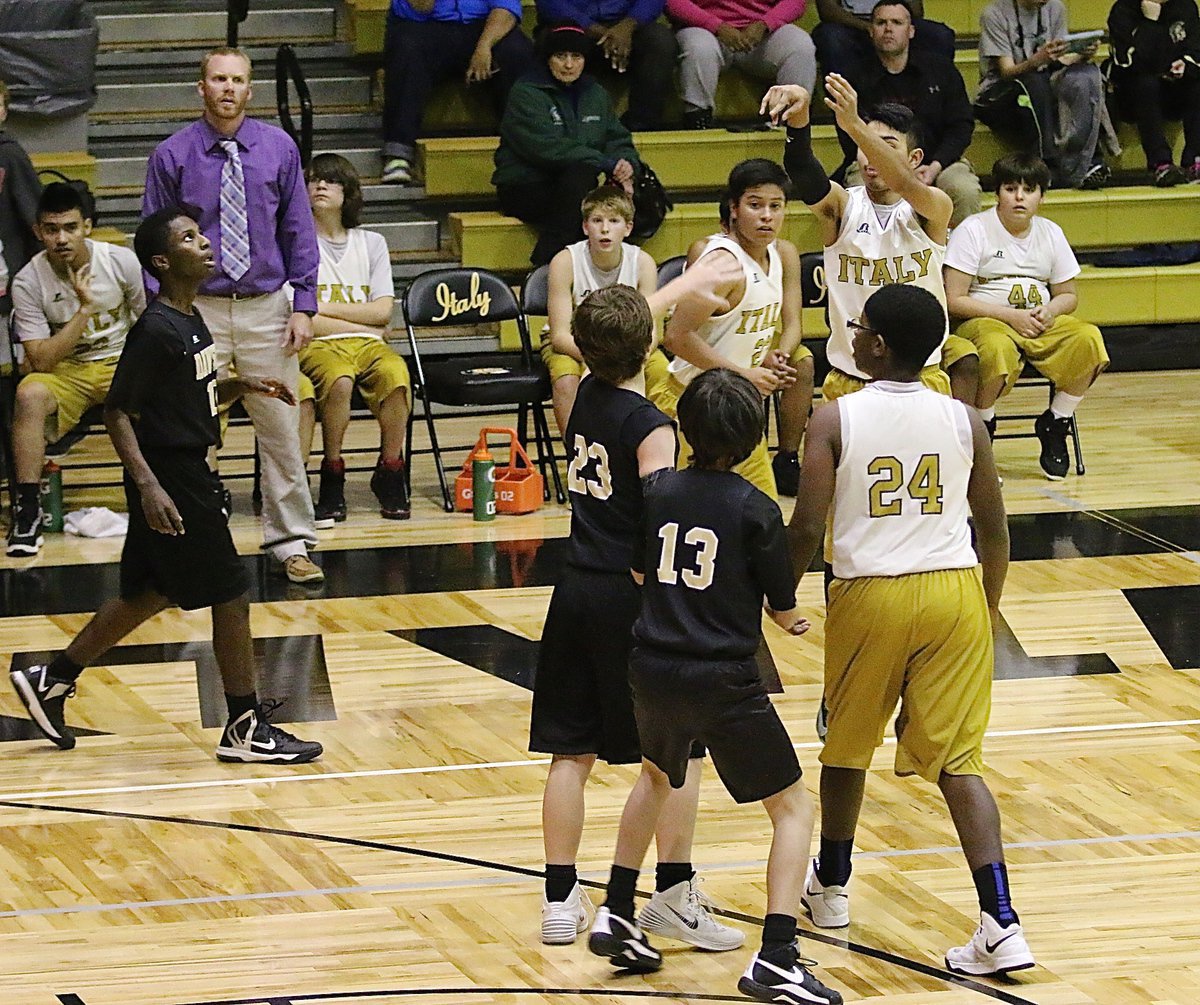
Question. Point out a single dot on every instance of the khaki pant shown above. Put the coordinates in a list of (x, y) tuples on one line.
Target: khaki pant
[(248, 334), (957, 180)]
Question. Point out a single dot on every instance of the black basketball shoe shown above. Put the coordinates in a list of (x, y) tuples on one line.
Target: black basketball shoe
[(783, 978), (1052, 433), (251, 739), (44, 697), (623, 944)]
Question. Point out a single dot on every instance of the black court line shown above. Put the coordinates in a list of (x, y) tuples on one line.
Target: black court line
[(915, 966)]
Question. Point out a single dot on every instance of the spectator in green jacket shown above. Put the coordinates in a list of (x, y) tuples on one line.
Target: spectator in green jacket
[(558, 135)]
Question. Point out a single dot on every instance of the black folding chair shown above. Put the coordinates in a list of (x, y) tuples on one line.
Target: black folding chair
[(535, 294), (672, 268), (462, 297)]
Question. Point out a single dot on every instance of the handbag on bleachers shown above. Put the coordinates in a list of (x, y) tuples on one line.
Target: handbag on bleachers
[(651, 204)]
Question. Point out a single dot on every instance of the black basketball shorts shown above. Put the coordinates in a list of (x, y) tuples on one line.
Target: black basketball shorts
[(681, 699), (581, 700), (198, 568)]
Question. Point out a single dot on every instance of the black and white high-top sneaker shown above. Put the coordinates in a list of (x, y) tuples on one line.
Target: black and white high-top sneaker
[(44, 697), (251, 739), (622, 943), (785, 980)]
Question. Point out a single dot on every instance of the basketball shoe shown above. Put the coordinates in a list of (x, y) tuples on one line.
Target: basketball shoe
[(828, 906), (680, 913), (564, 920), (623, 944), (993, 949), (782, 977), (251, 739), (1052, 432), (44, 696)]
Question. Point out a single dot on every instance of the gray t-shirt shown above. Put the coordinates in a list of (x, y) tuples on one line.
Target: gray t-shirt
[(1006, 28)]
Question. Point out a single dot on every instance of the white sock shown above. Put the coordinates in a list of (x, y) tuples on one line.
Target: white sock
[(987, 414), (1063, 406)]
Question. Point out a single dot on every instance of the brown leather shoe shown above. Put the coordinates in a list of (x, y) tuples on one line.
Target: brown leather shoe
[(302, 569)]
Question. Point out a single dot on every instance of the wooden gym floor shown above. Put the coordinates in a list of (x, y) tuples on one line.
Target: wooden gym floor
[(137, 870)]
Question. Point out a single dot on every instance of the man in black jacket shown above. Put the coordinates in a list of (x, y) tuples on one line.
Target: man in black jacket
[(19, 194), (1156, 72), (933, 88)]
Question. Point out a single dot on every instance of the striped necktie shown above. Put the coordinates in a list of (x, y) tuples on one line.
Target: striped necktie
[(235, 227)]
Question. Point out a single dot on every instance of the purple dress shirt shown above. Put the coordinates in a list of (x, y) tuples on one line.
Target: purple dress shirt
[(185, 171)]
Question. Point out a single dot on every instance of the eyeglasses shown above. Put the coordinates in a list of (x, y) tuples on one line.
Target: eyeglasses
[(857, 326)]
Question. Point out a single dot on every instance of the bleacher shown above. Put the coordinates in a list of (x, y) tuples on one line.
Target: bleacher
[(147, 65)]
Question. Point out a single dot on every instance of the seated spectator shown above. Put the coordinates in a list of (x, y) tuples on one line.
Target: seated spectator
[(559, 133), (1155, 70), (601, 259), (1010, 277), (843, 38), (756, 35), (428, 41), (355, 296), (934, 90), (1039, 96), (73, 305), (19, 192), (632, 42)]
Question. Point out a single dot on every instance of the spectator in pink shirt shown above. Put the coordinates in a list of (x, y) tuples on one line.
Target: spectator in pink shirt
[(757, 35)]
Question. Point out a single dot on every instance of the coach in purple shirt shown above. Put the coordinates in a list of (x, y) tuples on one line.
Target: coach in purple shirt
[(429, 41), (629, 39), (241, 180)]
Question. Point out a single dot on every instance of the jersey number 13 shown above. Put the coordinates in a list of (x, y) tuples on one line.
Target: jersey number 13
[(700, 576)]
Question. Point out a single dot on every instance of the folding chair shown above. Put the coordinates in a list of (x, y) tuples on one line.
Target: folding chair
[(672, 268), (535, 294), (464, 296), (1031, 378)]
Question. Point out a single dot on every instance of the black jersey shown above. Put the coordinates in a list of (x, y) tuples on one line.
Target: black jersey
[(606, 427), (712, 547), (167, 380)]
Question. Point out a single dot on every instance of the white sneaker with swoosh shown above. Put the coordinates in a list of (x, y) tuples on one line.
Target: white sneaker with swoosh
[(679, 913), (993, 949), (828, 906)]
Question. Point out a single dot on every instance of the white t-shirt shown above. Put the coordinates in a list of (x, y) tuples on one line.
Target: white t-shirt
[(743, 334), (869, 254), (43, 302), (356, 273), (1015, 272), (900, 497)]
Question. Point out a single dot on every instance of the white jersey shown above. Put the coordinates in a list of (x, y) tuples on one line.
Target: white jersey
[(900, 500), (43, 302), (1011, 271), (868, 255), (743, 334), (586, 278), (362, 272)]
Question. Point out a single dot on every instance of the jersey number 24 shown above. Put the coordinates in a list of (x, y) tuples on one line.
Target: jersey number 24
[(924, 485)]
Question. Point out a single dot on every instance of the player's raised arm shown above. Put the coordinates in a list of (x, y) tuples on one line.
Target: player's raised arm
[(896, 168), (822, 448), (987, 510), (790, 104)]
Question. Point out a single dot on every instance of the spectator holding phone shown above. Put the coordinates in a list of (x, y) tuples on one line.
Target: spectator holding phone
[(1155, 71), (1043, 91)]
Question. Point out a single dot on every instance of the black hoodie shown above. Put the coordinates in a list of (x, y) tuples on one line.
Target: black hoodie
[(1144, 46), (19, 194)]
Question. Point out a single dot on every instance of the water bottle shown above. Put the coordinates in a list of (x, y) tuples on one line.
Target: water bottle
[(52, 498), (483, 485)]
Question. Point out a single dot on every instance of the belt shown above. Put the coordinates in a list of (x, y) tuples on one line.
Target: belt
[(238, 297)]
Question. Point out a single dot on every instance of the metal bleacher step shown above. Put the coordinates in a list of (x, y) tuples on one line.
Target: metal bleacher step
[(157, 24), (167, 96)]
